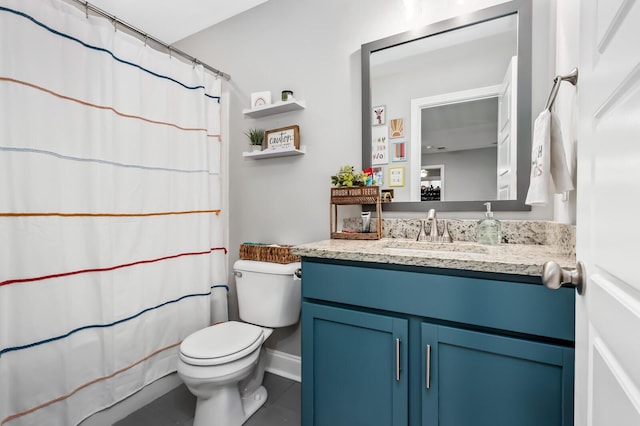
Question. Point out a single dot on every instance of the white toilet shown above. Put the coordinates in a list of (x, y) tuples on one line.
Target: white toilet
[(220, 364)]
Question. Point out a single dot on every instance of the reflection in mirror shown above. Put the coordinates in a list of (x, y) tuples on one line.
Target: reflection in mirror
[(463, 136), (435, 70), (432, 182), (453, 91)]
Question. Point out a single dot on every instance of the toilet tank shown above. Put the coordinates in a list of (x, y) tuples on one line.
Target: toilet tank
[(269, 294)]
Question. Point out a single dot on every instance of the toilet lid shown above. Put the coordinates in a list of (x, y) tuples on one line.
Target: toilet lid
[(221, 340)]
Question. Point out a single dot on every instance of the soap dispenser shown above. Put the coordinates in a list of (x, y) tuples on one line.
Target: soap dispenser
[(489, 230)]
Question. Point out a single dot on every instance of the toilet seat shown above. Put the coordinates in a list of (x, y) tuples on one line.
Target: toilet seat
[(221, 343)]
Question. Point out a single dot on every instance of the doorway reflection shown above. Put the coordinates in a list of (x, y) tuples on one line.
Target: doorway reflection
[(431, 183)]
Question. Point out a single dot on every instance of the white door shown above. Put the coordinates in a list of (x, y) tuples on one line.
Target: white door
[(607, 391), (507, 133)]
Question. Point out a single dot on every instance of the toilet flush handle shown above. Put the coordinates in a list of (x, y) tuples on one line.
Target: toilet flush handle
[(297, 273)]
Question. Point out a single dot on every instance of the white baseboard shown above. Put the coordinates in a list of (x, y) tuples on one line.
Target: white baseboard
[(284, 364), (278, 363)]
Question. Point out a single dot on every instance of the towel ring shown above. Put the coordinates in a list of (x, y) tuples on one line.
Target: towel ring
[(572, 78)]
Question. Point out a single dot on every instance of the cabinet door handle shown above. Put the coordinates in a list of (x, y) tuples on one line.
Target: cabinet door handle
[(397, 360), (427, 380)]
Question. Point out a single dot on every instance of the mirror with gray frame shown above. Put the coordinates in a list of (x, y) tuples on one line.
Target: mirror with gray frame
[(446, 112)]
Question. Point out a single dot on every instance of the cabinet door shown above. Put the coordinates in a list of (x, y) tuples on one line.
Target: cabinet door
[(350, 363), (484, 379)]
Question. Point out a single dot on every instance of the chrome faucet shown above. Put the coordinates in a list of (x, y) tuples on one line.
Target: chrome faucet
[(433, 235)]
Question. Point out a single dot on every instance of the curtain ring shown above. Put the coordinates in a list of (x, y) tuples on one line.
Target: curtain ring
[(86, 9), (145, 39), (115, 24)]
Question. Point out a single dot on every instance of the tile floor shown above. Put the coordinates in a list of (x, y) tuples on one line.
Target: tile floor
[(176, 407)]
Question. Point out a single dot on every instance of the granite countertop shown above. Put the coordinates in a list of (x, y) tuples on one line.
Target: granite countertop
[(517, 259)]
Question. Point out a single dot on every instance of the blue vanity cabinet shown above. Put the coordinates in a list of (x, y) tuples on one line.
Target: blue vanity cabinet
[(358, 362), (481, 379), (500, 348)]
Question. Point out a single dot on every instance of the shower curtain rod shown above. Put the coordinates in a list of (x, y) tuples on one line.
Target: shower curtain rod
[(117, 22)]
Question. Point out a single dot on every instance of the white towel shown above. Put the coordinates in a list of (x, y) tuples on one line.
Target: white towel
[(548, 160), (559, 169)]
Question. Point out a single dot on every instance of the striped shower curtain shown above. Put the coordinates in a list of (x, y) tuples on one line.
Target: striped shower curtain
[(111, 236)]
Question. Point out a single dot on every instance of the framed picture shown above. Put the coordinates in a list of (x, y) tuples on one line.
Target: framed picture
[(398, 151), (283, 138), (396, 176), (396, 128), (259, 99), (378, 115), (379, 146)]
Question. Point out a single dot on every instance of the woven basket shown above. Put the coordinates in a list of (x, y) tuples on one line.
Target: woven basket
[(268, 253)]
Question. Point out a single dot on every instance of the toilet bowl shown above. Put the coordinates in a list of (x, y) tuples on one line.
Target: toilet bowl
[(222, 364), (212, 362)]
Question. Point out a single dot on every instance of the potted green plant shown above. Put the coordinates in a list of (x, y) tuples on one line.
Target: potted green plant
[(256, 138), (347, 176)]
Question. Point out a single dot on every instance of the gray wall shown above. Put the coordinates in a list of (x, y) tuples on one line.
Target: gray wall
[(465, 173), (313, 48)]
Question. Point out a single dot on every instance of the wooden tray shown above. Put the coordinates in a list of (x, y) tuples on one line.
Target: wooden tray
[(356, 195)]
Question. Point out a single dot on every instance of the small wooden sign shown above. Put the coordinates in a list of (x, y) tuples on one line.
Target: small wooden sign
[(344, 192), (283, 138)]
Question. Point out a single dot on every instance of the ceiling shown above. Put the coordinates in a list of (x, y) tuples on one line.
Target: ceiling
[(170, 21)]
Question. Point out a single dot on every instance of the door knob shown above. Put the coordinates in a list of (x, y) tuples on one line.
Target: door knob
[(554, 277)]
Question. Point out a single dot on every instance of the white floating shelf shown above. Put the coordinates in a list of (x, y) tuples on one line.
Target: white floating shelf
[(275, 108), (272, 153)]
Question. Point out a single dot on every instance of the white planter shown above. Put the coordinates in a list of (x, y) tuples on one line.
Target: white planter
[(253, 148)]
